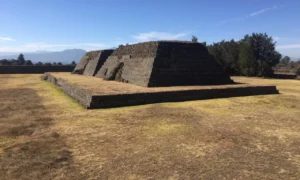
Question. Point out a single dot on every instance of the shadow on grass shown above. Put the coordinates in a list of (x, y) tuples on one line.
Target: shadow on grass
[(31, 150)]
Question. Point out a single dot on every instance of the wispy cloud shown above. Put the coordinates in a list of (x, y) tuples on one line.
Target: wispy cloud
[(289, 46), (158, 36), (31, 47), (256, 13), (6, 39), (263, 11)]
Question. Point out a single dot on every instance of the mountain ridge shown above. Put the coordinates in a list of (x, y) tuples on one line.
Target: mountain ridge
[(66, 56)]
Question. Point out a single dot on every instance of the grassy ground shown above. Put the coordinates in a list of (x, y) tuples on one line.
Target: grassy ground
[(46, 135)]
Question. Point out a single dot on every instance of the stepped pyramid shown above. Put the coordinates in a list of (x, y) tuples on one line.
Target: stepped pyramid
[(163, 63)]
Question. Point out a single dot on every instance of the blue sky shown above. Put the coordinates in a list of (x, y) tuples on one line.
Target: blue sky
[(53, 25)]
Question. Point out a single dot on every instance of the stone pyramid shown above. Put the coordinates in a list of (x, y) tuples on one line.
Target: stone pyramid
[(163, 63)]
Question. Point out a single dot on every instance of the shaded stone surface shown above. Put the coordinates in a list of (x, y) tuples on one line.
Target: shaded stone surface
[(164, 63), (91, 62)]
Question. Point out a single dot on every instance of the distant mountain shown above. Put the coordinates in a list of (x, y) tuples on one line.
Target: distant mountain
[(65, 56)]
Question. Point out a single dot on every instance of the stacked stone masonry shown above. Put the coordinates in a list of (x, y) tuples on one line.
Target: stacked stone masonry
[(164, 63), (93, 101), (91, 62)]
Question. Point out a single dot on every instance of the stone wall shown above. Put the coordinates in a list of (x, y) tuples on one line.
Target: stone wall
[(164, 63), (177, 96), (141, 50), (179, 64), (284, 76), (135, 70), (80, 95), (34, 69), (90, 101), (91, 62)]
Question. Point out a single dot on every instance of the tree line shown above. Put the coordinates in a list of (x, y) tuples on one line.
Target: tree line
[(20, 61), (254, 55)]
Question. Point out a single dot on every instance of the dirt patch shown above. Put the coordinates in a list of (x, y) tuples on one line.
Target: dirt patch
[(31, 149), (161, 142)]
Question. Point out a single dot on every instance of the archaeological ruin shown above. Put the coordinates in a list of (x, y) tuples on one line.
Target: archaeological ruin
[(150, 72), (91, 62), (158, 63)]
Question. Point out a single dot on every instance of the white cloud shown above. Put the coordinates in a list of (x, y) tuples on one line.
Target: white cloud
[(6, 39), (276, 38), (31, 47), (158, 36), (289, 46), (263, 11)]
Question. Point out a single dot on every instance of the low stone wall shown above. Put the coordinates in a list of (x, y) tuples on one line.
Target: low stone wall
[(34, 69), (284, 76), (90, 101), (177, 96), (83, 97)]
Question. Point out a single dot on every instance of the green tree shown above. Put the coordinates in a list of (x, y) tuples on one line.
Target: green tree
[(247, 62), (59, 63), (285, 60), (15, 62), (28, 63), (227, 54), (5, 62), (21, 59), (194, 39), (73, 63), (39, 64), (264, 52), (216, 50)]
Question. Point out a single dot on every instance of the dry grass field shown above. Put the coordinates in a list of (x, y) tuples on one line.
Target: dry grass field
[(44, 134)]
